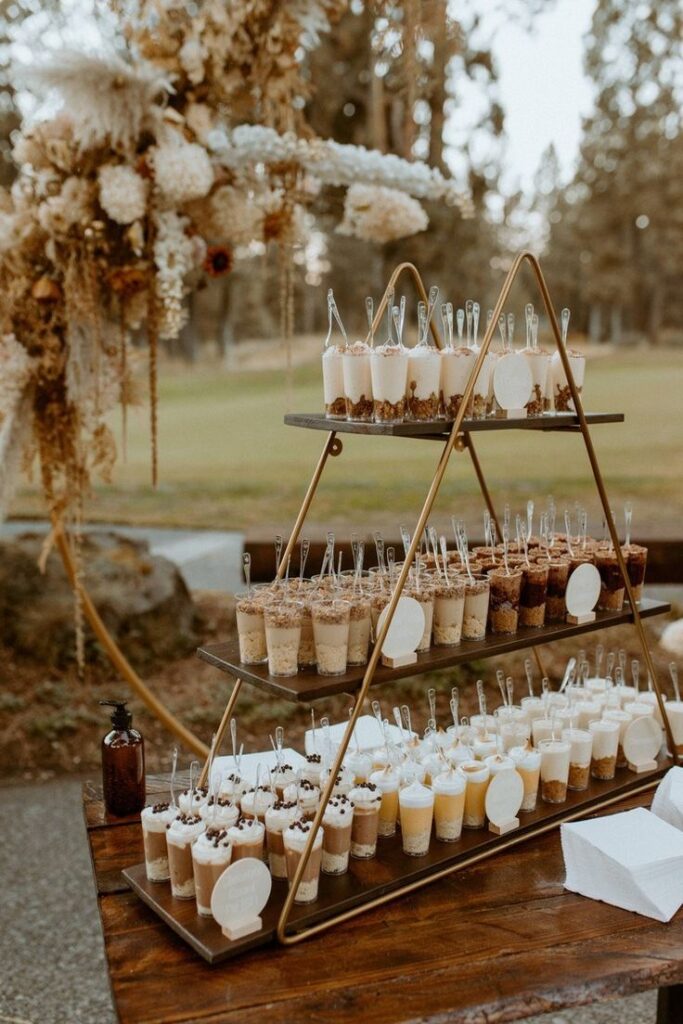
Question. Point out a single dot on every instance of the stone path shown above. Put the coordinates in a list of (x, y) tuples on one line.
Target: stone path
[(51, 949)]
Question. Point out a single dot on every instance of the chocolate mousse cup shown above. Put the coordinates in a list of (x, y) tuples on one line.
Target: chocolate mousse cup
[(366, 799), (506, 589), (295, 839), (337, 827), (612, 587), (635, 556), (278, 817), (154, 821), (247, 838), (555, 601), (180, 835), (211, 854), (533, 596)]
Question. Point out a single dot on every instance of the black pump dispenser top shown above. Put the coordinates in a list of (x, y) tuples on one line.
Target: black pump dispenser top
[(121, 718)]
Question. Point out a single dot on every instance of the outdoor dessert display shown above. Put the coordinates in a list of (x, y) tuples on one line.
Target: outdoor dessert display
[(389, 382)]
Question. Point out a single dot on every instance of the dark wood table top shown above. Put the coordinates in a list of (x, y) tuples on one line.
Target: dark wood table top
[(496, 942)]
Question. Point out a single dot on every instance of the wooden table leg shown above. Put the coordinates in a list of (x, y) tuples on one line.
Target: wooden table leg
[(670, 1005)]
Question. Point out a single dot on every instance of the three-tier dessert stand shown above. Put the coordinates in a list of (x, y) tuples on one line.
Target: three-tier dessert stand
[(372, 883)]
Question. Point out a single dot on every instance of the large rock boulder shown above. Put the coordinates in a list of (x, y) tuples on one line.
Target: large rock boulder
[(142, 599)]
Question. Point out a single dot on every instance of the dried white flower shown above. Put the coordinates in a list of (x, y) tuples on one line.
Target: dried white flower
[(376, 214), (72, 205), (174, 256), (182, 170), (199, 119), (235, 216), (192, 56), (123, 193)]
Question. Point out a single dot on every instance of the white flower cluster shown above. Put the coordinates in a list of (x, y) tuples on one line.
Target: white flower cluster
[(336, 164), (182, 170), (123, 193), (235, 216), (174, 258), (377, 214)]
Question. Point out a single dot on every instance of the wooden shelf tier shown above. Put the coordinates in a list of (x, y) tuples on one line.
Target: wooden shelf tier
[(307, 685), (440, 429), (367, 879)]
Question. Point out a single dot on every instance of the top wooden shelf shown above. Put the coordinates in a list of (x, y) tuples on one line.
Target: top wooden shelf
[(567, 421)]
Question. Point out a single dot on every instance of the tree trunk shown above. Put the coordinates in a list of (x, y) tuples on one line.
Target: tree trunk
[(437, 100), (654, 318), (595, 324)]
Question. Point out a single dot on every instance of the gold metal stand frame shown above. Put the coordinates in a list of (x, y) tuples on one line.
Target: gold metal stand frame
[(459, 441)]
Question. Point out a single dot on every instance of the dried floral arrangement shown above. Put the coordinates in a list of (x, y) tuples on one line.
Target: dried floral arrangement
[(161, 162)]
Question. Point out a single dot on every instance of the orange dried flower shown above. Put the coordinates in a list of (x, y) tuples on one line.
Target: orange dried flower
[(127, 280), (46, 290), (218, 261)]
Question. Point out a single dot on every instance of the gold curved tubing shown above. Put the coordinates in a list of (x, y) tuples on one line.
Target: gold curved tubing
[(220, 732)]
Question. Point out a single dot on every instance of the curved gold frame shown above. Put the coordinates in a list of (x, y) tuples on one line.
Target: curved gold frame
[(459, 441)]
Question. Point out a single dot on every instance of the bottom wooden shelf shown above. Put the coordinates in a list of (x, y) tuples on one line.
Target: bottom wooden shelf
[(388, 871)]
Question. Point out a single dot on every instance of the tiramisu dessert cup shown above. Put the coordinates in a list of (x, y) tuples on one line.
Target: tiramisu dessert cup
[(533, 595), (180, 835), (561, 394), (506, 589), (307, 794), (256, 801), (476, 608), (477, 776), (366, 799), (295, 839), (251, 630), (424, 382), (605, 747), (337, 827), (333, 381), (624, 719), (306, 655), (425, 598), (331, 633), (581, 744), (558, 575), (154, 821), (555, 755), (538, 361), (247, 837), (283, 633), (278, 817), (387, 782), (674, 711), (528, 766), (612, 587), (211, 855), (456, 366), (449, 805), (358, 382), (417, 812), (449, 609), (360, 625), (389, 364), (219, 812), (635, 556)]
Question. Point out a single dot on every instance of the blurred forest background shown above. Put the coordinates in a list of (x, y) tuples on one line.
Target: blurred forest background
[(397, 78)]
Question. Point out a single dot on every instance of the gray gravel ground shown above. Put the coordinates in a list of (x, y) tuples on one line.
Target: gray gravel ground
[(51, 950)]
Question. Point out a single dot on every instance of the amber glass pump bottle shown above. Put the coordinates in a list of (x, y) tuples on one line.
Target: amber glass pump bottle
[(123, 763)]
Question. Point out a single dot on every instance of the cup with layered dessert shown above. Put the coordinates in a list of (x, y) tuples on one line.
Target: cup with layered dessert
[(211, 855), (219, 812), (423, 382), (558, 576), (605, 735), (612, 587), (635, 556), (555, 757), (306, 794), (527, 763), (580, 754), (333, 381), (674, 712), (449, 609), (155, 820), (389, 366), (538, 361), (251, 630), (456, 368), (360, 627), (512, 727), (331, 619), (623, 719), (366, 799), (256, 801), (306, 655), (295, 838), (180, 835), (476, 606), (279, 817), (533, 594), (449, 805), (562, 397), (477, 775), (387, 782), (357, 376), (283, 621), (421, 591), (247, 836), (505, 593), (337, 827), (416, 804)]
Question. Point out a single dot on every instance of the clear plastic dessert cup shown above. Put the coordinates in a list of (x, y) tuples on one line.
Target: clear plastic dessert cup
[(211, 855), (389, 366), (476, 609), (456, 367), (477, 776), (558, 575), (357, 376), (449, 805), (605, 735), (154, 821), (612, 587), (247, 837), (331, 621), (506, 589), (449, 609), (424, 382), (555, 756), (528, 766), (533, 595), (295, 838), (337, 828), (278, 818), (624, 719), (333, 382), (425, 598), (387, 782), (581, 743), (366, 799), (417, 812), (180, 835), (283, 635), (360, 627), (251, 630), (636, 563)]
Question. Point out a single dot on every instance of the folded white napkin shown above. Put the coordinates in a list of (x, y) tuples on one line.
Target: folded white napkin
[(250, 763), (668, 800), (367, 734), (632, 860)]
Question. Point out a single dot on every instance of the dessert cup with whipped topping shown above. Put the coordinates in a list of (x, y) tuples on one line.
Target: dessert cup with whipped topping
[(295, 838), (219, 812), (387, 782), (155, 820), (247, 836), (180, 835), (449, 608), (251, 630), (359, 764), (456, 368), (528, 766), (366, 799), (424, 380), (333, 366), (256, 801), (211, 855), (358, 382), (605, 735), (279, 816), (581, 743), (282, 775), (389, 366), (191, 802), (306, 794), (477, 776), (416, 804), (337, 828), (331, 620), (311, 770), (449, 805), (624, 719), (283, 634), (555, 755)]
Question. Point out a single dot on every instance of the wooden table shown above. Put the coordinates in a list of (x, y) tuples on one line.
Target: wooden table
[(496, 942)]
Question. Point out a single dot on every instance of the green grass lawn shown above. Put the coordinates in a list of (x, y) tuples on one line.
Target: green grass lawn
[(227, 461)]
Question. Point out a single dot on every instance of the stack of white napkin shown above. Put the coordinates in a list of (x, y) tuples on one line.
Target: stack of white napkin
[(668, 801), (367, 734)]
